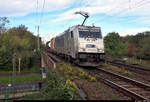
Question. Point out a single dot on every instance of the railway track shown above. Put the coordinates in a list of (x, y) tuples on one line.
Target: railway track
[(132, 88), (81, 93), (54, 58), (138, 69)]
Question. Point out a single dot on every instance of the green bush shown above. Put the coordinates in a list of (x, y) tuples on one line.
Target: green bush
[(56, 89)]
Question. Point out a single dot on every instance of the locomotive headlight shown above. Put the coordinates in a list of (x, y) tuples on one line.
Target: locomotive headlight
[(99, 50)]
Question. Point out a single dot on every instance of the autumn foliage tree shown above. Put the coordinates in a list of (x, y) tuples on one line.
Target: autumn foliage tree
[(138, 45), (20, 41), (131, 50), (131, 45)]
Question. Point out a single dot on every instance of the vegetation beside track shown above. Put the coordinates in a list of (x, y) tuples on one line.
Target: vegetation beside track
[(138, 62), (133, 61), (63, 83), (73, 73), (57, 88), (94, 89), (147, 63), (117, 70)]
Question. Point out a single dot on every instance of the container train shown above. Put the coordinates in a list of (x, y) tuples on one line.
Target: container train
[(80, 44)]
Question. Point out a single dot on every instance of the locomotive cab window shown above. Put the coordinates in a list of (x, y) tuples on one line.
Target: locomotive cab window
[(71, 34), (84, 34)]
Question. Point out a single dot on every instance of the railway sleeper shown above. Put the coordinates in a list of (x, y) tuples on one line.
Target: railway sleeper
[(116, 79), (135, 89), (144, 93), (126, 85), (121, 82)]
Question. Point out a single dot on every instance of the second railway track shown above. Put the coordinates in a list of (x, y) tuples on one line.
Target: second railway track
[(138, 69), (132, 88)]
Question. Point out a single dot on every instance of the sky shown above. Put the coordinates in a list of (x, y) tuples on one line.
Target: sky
[(127, 17)]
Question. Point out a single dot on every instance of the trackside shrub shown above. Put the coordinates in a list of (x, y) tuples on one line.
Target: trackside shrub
[(57, 89), (73, 73), (72, 84), (92, 78)]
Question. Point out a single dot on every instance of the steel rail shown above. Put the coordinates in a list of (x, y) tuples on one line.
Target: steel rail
[(122, 89), (140, 84), (53, 58), (130, 66)]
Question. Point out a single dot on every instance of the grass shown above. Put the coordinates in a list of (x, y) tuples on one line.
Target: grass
[(118, 70), (33, 69), (133, 61), (32, 97), (137, 61), (97, 84), (9, 79), (102, 89), (147, 63), (5, 72), (112, 97)]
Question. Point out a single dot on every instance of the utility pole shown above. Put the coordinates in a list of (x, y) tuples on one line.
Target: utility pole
[(19, 63), (38, 38), (14, 64), (14, 71)]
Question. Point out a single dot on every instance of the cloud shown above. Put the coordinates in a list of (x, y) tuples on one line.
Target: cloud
[(147, 21), (24, 7), (71, 13), (121, 10), (144, 20), (48, 37), (134, 31), (111, 8)]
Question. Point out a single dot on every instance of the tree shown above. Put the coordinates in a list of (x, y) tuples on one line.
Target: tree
[(131, 50), (138, 45), (5, 52), (20, 41), (144, 48), (114, 45), (3, 23)]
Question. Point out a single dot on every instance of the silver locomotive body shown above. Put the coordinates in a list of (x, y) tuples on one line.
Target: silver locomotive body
[(81, 43)]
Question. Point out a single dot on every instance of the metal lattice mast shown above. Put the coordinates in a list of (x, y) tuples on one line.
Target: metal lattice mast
[(38, 38)]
